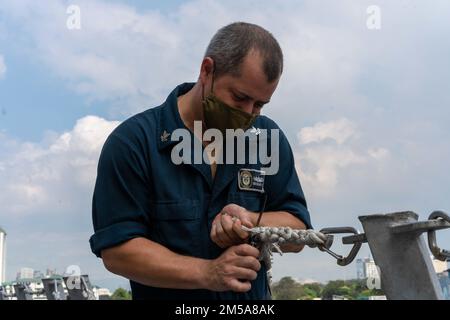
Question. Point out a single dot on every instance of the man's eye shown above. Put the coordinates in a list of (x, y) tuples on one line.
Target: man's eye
[(239, 98)]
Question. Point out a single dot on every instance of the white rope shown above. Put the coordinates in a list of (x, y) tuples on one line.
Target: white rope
[(269, 239)]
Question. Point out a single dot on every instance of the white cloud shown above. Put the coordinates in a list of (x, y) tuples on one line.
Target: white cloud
[(328, 150), (134, 58), (378, 153), (35, 176), (2, 67), (118, 55), (46, 194), (339, 130), (327, 161)]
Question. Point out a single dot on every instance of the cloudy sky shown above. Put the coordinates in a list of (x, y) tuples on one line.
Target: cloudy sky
[(366, 110)]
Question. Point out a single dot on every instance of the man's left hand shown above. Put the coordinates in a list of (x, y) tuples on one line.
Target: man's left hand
[(226, 228)]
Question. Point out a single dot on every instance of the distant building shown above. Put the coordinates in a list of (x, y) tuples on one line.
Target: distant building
[(444, 281), (371, 270), (2, 255), (38, 274), (442, 271), (360, 274), (32, 285), (25, 273), (50, 272), (439, 266), (366, 268), (56, 287), (101, 293)]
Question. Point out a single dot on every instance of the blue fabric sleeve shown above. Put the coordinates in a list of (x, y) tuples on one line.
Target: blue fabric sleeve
[(121, 198)]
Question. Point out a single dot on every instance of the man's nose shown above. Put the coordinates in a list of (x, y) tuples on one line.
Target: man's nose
[(247, 107)]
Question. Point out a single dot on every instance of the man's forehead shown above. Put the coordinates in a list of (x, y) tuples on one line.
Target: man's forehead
[(259, 90), (253, 80)]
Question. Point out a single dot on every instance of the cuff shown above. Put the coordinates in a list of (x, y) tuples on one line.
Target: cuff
[(116, 234)]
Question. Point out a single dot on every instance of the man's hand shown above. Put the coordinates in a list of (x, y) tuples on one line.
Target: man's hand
[(234, 269), (226, 227)]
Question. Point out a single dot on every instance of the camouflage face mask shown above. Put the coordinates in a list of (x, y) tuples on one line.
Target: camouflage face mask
[(219, 115)]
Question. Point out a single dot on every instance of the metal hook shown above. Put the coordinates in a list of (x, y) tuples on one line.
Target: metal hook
[(440, 254), (341, 260)]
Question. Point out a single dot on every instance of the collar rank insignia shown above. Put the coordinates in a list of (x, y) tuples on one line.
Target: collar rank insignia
[(165, 136)]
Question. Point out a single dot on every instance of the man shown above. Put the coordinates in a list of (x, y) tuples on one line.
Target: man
[(175, 229)]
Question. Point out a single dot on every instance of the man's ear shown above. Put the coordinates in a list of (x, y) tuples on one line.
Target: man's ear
[(206, 70)]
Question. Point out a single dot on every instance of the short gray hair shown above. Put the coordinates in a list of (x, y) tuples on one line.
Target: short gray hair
[(232, 43)]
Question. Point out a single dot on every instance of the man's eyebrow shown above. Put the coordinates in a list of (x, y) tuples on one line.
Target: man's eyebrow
[(249, 97)]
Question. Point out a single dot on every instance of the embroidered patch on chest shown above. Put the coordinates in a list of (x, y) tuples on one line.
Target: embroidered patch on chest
[(251, 180)]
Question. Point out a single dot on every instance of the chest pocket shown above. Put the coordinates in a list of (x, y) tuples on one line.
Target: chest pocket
[(177, 225), (249, 200)]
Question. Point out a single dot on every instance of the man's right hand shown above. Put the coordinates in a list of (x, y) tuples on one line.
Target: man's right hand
[(233, 269)]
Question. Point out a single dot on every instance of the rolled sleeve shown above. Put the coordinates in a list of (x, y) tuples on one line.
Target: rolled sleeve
[(116, 234), (121, 198)]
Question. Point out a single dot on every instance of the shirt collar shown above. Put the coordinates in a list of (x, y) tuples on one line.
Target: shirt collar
[(169, 116)]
